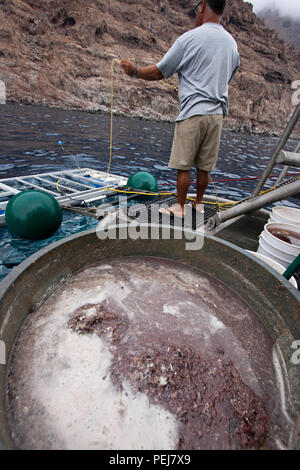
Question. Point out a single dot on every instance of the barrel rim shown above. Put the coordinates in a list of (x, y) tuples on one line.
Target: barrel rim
[(286, 329)]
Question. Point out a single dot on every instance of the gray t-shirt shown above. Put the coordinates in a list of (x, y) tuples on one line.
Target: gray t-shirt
[(205, 58)]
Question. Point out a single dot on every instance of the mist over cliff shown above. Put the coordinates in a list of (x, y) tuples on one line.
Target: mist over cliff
[(287, 8), (287, 27), (59, 53)]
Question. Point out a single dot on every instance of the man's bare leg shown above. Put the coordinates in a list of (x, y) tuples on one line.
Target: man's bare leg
[(202, 182), (183, 184)]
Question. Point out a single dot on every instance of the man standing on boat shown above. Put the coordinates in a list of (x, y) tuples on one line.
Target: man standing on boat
[(205, 59)]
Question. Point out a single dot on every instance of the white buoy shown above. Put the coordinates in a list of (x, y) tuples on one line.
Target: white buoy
[(2, 92)]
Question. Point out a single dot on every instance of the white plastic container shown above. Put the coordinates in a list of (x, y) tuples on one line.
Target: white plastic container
[(280, 257), (280, 251), (286, 215), (278, 267)]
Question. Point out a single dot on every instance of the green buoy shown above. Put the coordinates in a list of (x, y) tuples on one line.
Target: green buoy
[(142, 180), (33, 215)]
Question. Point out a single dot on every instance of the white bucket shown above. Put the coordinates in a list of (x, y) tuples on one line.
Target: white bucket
[(286, 215), (280, 251), (278, 267), (280, 244), (280, 257)]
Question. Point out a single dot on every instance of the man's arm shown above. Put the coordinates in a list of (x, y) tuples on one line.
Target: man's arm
[(164, 69), (150, 72)]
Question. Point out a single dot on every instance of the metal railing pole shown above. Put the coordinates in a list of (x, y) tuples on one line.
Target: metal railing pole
[(283, 140), (286, 168), (254, 204)]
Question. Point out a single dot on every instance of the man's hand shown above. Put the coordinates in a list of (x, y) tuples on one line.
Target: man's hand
[(150, 72), (129, 67)]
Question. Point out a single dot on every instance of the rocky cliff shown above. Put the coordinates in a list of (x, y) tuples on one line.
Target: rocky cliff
[(59, 53)]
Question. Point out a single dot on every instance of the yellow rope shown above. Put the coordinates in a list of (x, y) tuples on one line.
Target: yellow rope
[(137, 192), (223, 205), (111, 110), (217, 198), (143, 194), (169, 85), (117, 61)]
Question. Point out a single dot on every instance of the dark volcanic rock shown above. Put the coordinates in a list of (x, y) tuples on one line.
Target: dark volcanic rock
[(59, 53)]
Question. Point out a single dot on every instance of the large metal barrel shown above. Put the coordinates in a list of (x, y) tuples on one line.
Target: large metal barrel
[(275, 302)]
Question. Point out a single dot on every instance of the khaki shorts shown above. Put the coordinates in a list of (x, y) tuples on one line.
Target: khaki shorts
[(196, 142)]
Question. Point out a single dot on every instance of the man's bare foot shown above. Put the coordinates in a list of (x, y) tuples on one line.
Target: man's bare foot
[(176, 210)]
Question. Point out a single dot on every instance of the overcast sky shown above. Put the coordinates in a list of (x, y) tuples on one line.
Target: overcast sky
[(287, 7)]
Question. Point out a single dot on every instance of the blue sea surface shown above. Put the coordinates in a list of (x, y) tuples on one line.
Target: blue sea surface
[(29, 144)]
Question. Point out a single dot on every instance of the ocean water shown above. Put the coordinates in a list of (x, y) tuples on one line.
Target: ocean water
[(29, 137)]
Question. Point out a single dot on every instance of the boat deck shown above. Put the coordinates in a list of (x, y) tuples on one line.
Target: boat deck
[(83, 191)]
